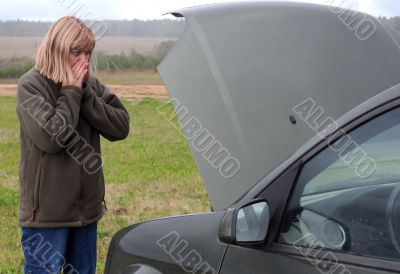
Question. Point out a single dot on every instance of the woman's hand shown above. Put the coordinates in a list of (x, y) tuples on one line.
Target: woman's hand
[(79, 70)]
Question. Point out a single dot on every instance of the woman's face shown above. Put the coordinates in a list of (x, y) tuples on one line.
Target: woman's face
[(74, 57)]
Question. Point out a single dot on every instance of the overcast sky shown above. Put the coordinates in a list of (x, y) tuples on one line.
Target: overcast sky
[(150, 9)]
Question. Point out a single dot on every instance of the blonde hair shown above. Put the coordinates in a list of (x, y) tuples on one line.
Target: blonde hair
[(67, 35)]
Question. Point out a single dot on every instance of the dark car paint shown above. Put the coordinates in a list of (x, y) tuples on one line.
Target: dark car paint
[(254, 261), (276, 191), (137, 244)]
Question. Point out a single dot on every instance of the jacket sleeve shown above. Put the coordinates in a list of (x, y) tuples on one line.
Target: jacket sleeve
[(41, 121), (104, 111)]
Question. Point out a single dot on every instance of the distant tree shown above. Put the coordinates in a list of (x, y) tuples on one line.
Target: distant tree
[(393, 22), (159, 52), (14, 67), (136, 28)]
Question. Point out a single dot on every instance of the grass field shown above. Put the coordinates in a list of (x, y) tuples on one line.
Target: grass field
[(148, 175), (27, 46)]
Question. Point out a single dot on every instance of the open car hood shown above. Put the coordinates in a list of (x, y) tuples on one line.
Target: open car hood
[(239, 69)]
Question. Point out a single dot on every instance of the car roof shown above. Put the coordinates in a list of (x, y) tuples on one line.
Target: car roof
[(240, 69)]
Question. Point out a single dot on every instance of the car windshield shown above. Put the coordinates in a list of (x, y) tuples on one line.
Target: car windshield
[(383, 149)]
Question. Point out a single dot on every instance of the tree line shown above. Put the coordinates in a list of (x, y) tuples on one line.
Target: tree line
[(136, 28), (393, 22), (15, 67), (130, 28)]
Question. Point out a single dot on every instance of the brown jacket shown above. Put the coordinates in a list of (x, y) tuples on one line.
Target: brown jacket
[(61, 176)]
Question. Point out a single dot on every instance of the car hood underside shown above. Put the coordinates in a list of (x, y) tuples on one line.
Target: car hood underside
[(240, 69)]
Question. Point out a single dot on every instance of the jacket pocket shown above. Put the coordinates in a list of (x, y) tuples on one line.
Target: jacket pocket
[(103, 187), (36, 190)]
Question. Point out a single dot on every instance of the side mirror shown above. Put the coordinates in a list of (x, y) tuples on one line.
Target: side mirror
[(247, 224)]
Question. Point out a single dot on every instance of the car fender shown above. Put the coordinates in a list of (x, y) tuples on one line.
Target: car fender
[(141, 269)]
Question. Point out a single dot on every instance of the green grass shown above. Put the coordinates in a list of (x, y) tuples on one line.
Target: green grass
[(148, 175)]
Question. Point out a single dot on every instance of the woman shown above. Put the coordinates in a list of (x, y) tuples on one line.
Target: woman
[(62, 109)]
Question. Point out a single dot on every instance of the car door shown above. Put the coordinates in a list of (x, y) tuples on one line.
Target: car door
[(340, 209)]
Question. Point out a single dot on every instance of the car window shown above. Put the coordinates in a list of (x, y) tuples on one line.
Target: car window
[(347, 198)]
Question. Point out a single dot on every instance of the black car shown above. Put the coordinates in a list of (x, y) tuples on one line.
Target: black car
[(292, 113)]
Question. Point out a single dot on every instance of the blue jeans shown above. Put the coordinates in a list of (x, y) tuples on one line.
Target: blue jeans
[(50, 250)]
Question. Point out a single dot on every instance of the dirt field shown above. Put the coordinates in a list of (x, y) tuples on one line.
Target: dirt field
[(127, 92), (27, 46)]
